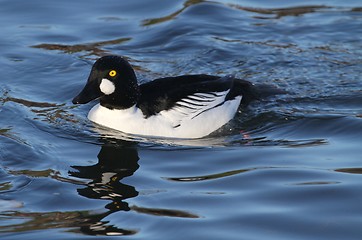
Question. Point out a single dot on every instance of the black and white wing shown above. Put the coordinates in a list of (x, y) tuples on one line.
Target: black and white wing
[(187, 99), (164, 93), (193, 106)]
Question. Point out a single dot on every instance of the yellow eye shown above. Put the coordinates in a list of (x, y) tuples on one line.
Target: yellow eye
[(112, 73)]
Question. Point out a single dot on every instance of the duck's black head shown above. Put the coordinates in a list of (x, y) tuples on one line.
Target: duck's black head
[(113, 80)]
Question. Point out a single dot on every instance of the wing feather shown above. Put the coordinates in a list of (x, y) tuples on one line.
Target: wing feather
[(192, 106)]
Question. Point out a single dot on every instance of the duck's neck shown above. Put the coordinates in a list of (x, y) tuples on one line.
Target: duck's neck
[(125, 96)]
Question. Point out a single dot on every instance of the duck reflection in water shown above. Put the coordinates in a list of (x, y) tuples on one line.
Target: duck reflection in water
[(115, 162)]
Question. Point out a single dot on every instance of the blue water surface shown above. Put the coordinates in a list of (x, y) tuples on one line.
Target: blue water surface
[(287, 167)]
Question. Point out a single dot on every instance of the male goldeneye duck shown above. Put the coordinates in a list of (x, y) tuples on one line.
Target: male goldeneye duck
[(189, 106)]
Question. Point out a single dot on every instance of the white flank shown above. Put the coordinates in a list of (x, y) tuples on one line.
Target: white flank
[(195, 116), (107, 87)]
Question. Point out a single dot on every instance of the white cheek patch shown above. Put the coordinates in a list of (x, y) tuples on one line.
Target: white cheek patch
[(107, 87)]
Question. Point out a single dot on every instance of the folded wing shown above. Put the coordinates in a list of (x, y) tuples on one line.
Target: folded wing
[(189, 94), (193, 106)]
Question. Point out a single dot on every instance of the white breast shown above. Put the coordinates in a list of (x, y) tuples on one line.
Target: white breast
[(175, 123)]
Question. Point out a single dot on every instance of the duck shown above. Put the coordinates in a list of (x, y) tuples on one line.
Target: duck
[(187, 106)]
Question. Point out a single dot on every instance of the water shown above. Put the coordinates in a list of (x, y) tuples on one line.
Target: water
[(287, 167)]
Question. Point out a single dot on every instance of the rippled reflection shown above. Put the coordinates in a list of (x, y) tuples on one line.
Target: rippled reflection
[(93, 48), (115, 163), (350, 170), (101, 181), (280, 12)]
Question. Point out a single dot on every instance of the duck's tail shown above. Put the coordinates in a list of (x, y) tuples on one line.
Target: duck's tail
[(263, 91), (252, 92)]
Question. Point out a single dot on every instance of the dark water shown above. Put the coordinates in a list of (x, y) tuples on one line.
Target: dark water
[(287, 167)]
